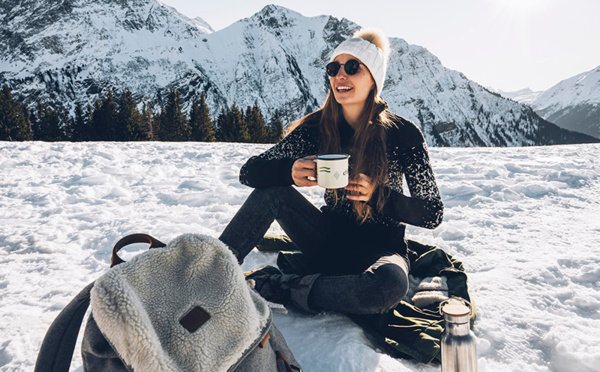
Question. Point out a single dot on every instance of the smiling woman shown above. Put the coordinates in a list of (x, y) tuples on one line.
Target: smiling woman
[(354, 244)]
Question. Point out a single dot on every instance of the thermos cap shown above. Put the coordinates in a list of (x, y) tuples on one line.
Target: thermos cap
[(455, 307), (456, 310)]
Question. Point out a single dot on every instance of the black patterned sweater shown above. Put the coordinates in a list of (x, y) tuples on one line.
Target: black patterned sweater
[(407, 157)]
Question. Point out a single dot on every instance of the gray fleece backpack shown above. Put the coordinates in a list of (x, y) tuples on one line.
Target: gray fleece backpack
[(184, 307)]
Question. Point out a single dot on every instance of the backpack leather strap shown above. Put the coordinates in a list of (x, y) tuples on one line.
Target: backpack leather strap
[(133, 239), (282, 364)]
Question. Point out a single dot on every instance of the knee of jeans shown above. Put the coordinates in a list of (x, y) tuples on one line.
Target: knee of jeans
[(392, 282), (269, 195)]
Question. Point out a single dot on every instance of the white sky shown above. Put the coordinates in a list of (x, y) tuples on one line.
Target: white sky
[(505, 44)]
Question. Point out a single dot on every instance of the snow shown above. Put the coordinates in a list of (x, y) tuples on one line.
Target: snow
[(525, 96), (523, 220)]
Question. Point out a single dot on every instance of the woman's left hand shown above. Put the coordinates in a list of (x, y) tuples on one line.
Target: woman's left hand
[(362, 188)]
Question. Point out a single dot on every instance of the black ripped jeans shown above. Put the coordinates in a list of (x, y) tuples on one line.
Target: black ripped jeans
[(369, 281)]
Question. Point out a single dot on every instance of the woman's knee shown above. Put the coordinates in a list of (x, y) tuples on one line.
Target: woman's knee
[(391, 285), (270, 195)]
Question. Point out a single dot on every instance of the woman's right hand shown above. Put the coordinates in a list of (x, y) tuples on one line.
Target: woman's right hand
[(304, 172)]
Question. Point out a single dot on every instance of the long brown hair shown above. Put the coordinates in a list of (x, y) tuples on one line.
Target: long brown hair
[(367, 147)]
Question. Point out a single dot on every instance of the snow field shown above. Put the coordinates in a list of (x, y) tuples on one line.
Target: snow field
[(523, 220)]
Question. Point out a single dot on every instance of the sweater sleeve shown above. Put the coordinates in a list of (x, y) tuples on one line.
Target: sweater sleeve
[(424, 206), (274, 166)]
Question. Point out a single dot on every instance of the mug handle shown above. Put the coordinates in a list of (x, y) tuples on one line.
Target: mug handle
[(316, 177)]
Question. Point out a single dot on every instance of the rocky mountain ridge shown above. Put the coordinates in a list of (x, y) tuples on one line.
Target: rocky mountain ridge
[(572, 104)]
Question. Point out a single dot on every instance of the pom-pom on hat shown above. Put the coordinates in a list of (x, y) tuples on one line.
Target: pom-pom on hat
[(371, 47)]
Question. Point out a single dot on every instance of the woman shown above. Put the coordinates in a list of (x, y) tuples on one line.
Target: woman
[(356, 241)]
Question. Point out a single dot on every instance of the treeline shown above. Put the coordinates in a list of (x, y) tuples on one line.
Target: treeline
[(118, 119)]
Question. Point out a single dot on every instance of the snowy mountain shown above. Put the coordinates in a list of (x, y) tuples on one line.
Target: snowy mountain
[(573, 104), (71, 51)]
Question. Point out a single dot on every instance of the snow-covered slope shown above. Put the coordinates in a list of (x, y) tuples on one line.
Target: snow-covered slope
[(69, 52), (525, 96), (524, 221), (573, 103)]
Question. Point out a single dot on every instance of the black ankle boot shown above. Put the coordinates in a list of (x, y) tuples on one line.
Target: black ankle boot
[(267, 282), (284, 289)]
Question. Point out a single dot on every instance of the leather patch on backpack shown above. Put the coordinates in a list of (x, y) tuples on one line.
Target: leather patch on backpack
[(194, 319)]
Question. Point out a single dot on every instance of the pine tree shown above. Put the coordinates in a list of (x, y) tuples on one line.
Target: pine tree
[(223, 129), (275, 128), (80, 127), (147, 124), (174, 124), (103, 119), (128, 119), (232, 127), (255, 122), (69, 128), (15, 122), (158, 122), (95, 120), (109, 115), (23, 127), (201, 125), (90, 122), (47, 125), (239, 124)]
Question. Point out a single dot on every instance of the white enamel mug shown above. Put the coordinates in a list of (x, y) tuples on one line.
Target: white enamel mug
[(332, 170)]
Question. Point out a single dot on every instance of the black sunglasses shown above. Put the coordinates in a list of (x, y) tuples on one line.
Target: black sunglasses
[(351, 67)]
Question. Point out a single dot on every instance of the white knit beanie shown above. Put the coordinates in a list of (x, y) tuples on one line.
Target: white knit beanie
[(369, 54)]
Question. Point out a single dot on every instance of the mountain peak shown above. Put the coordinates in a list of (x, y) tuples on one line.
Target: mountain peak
[(276, 16), (272, 9), (573, 103), (202, 24)]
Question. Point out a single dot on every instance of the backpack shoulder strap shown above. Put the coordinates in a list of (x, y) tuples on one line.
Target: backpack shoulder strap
[(57, 348)]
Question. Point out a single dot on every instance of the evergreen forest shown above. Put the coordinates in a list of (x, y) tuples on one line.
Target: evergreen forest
[(118, 118)]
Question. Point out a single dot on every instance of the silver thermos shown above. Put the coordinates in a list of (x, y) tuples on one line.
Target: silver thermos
[(459, 348)]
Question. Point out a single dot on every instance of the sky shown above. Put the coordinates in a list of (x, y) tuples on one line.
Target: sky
[(503, 44)]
